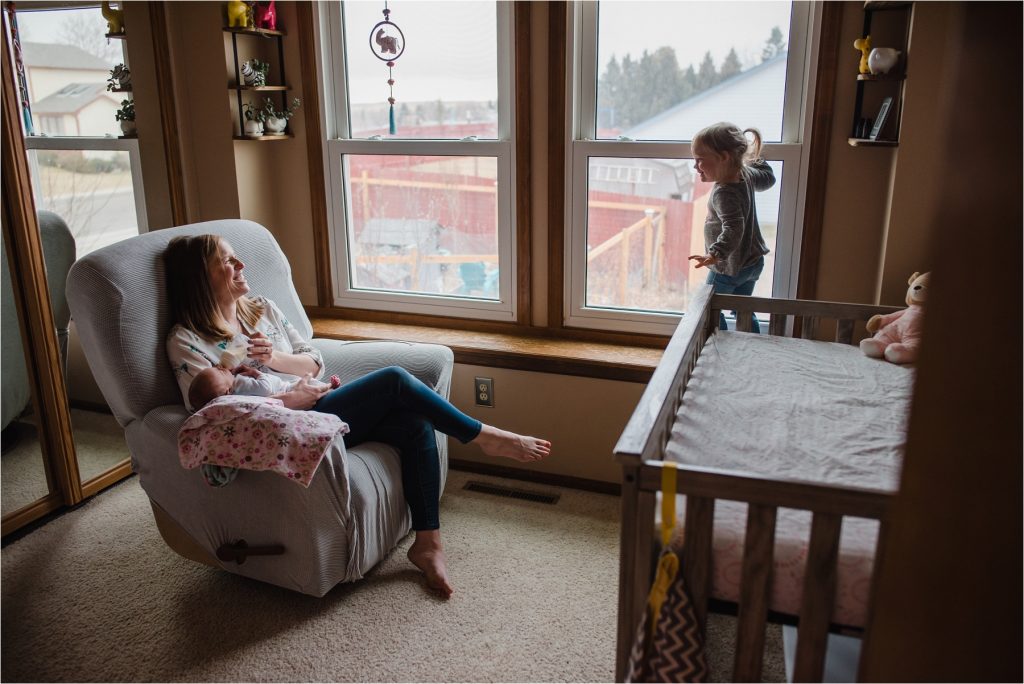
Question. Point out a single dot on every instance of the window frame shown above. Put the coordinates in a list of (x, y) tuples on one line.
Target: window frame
[(580, 145), (334, 110), (95, 144)]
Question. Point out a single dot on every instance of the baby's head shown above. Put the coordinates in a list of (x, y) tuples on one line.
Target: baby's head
[(209, 384), (728, 143)]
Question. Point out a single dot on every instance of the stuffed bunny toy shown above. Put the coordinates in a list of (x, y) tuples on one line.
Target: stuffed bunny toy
[(898, 335)]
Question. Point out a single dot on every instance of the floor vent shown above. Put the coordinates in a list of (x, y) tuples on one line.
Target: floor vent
[(498, 490)]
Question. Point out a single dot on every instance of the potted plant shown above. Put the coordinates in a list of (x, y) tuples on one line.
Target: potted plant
[(254, 73), (120, 80), (254, 118), (126, 115), (277, 121)]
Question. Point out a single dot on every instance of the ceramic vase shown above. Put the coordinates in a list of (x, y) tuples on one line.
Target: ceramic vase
[(276, 126), (128, 128), (253, 129), (882, 60)]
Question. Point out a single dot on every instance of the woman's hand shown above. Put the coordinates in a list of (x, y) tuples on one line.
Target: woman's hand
[(303, 395), (704, 259), (261, 349)]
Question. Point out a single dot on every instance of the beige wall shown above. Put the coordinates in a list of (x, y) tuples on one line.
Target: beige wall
[(583, 417), (873, 231)]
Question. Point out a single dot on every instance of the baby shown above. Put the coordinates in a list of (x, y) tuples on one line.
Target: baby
[(217, 381)]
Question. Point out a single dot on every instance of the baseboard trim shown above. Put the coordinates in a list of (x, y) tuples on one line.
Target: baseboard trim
[(556, 480)]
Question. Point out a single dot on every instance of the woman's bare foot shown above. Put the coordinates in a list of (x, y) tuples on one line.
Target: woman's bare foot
[(497, 442), (427, 554)]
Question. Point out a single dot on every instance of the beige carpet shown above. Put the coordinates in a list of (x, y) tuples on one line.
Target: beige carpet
[(95, 595)]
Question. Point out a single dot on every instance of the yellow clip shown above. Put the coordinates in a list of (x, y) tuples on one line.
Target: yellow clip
[(668, 502)]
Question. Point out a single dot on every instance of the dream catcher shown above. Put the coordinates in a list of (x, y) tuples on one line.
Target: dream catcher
[(387, 42)]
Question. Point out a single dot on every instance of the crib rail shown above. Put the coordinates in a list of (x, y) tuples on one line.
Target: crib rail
[(801, 316)]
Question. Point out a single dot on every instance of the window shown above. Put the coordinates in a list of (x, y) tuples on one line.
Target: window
[(82, 168), (422, 217), (646, 76)]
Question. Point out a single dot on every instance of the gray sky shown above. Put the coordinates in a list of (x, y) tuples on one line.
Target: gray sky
[(451, 52)]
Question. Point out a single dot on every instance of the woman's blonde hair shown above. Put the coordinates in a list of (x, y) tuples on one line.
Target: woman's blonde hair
[(727, 138), (191, 297)]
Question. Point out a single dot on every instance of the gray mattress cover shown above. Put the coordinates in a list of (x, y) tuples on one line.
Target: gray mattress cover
[(799, 409)]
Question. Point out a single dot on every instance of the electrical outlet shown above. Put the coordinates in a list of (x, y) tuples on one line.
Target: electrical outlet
[(483, 388)]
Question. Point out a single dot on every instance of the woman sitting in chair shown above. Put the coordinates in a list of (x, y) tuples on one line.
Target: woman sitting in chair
[(207, 293)]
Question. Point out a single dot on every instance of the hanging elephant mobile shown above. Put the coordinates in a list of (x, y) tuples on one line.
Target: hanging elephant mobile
[(387, 42)]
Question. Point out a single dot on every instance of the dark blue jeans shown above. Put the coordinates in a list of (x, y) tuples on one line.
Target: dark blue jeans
[(742, 284), (391, 406)]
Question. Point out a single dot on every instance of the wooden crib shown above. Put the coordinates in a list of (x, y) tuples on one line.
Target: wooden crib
[(642, 451)]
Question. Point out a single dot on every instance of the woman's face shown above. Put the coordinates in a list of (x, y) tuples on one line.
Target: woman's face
[(226, 276)]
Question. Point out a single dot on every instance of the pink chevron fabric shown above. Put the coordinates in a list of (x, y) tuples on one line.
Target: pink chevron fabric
[(675, 653)]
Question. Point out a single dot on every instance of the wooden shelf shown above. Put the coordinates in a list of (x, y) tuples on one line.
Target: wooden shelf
[(253, 31), (878, 5), (120, 90), (881, 77), (266, 89), (265, 137), (116, 36), (867, 142), (128, 137)]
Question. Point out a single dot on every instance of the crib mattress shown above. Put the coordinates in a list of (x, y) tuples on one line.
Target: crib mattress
[(799, 409)]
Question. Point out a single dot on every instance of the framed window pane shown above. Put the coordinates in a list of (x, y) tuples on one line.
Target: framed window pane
[(666, 70), (644, 218), (92, 190), (67, 63), (446, 79), (423, 224)]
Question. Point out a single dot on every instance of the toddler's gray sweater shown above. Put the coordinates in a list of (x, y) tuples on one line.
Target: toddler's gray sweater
[(731, 231)]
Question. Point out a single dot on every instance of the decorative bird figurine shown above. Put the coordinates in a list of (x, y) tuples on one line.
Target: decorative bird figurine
[(114, 17)]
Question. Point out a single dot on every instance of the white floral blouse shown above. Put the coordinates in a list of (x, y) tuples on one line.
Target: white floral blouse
[(189, 353)]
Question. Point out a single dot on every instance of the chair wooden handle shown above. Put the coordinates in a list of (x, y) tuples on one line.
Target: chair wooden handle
[(240, 550)]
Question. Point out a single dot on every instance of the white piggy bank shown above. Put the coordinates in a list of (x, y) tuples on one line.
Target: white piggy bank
[(881, 60)]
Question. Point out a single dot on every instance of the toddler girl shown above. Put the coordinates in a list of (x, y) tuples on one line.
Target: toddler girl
[(732, 236)]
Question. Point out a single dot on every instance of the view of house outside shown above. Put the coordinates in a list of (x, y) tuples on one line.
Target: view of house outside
[(67, 62)]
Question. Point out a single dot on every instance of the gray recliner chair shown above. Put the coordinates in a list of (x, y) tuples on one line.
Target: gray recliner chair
[(58, 253), (353, 512)]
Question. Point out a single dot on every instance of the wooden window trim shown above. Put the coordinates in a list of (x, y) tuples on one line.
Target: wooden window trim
[(820, 148), (539, 352)]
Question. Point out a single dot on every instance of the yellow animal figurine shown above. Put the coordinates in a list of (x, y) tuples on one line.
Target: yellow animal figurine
[(238, 14), (864, 45), (114, 17)]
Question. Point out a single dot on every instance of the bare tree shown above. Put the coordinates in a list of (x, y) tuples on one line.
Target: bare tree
[(89, 33)]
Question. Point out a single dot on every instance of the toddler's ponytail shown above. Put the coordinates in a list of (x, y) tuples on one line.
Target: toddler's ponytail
[(754, 147)]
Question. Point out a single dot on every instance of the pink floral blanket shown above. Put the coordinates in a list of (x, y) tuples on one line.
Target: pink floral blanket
[(258, 433)]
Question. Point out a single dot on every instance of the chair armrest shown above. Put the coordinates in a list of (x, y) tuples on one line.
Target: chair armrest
[(431, 363)]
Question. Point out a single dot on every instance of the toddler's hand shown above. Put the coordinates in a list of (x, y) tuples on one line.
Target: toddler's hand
[(704, 259)]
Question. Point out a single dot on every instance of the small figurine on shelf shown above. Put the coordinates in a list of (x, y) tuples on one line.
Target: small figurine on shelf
[(120, 80), (239, 14), (864, 45), (126, 115), (277, 121), (265, 15), (254, 118), (254, 73), (114, 17)]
